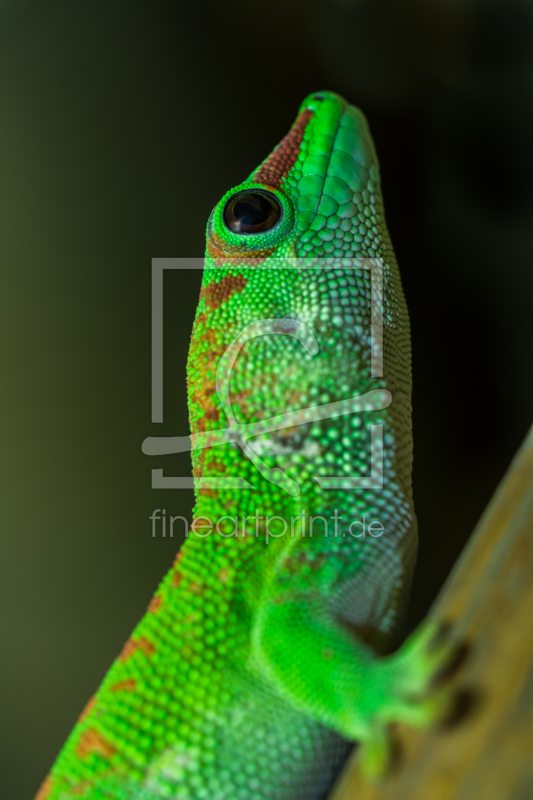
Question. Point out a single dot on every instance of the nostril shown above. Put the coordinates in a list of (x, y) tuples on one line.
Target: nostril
[(318, 97)]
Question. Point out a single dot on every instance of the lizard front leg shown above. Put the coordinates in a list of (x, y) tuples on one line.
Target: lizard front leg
[(330, 673)]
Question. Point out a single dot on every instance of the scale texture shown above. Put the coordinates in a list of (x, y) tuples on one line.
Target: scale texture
[(263, 653)]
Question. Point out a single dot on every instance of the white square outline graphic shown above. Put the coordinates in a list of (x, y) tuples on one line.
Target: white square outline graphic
[(240, 433)]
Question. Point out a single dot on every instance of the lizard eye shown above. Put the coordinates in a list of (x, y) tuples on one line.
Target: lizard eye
[(252, 212)]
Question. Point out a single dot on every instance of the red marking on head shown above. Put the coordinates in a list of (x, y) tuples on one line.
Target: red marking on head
[(216, 293), (155, 603), (284, 157), (221, 251), (127, 685), (44, 789), (136, 644), (93, 742), (88, 707), (327, 653)]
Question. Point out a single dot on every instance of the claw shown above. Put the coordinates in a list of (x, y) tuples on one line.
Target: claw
[(375, 754), (412, 695), (421, 713), (425, 658)]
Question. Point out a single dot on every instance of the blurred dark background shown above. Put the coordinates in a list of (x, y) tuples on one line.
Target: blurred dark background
[(122, 124)]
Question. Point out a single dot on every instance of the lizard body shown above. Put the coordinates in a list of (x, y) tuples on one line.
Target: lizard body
[(260, 657)]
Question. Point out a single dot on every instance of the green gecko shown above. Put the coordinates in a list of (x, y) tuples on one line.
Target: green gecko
[(263, 653)]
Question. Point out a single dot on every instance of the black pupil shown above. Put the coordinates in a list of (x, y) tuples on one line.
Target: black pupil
[(252, 209), (252, 212)]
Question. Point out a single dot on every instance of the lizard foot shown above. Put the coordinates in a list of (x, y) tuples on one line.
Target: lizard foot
[(410, 693)]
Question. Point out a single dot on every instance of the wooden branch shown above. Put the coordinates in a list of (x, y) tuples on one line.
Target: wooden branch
[(488, 598)]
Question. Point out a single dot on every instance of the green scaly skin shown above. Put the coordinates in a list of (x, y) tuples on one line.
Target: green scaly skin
[(260, 658)]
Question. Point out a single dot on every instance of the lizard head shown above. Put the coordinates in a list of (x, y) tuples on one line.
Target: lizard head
[(312, 182)]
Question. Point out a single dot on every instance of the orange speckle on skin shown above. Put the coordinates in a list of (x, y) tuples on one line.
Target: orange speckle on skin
[(200, 525), (136, 644), (216, 293), (44, 789), (239, 398), (88, 707), (327, 653), (154, 603), (93, 742), (81, 788), (220, 250), (176, 578), (207, 492), (128, 684), (207, 347)]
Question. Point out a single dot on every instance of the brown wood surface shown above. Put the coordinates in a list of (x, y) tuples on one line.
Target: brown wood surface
[(488, 598)]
